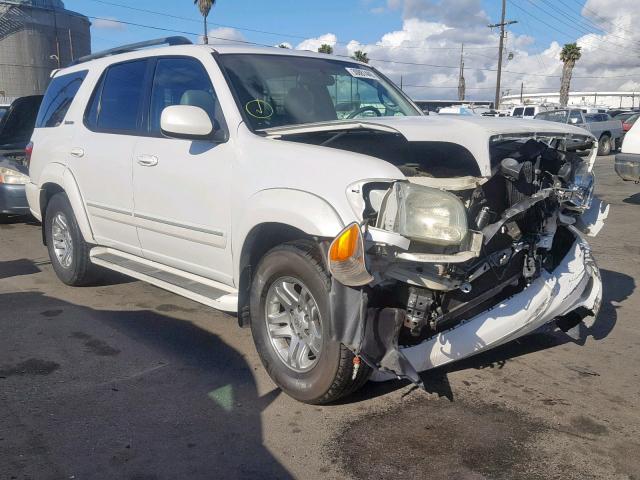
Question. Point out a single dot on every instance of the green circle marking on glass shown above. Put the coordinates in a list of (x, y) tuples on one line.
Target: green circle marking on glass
[(259, 109)]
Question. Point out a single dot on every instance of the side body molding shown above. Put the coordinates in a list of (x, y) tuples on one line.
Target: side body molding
[(295, 208)]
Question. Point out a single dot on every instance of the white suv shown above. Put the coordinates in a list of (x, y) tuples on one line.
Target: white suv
[(308, 194)]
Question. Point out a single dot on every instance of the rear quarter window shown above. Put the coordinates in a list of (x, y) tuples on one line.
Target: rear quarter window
[(58, 98), (117, 100)]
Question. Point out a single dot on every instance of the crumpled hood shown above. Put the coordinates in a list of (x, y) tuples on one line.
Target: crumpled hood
[(472, 132)]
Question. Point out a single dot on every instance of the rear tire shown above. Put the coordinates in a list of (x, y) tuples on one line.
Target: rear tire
[(604, 145), (68, 251), (293, 271)]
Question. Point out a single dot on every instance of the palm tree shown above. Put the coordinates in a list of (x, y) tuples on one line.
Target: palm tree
[(325, 48), (361, 56), (569, 56), (205, 7)]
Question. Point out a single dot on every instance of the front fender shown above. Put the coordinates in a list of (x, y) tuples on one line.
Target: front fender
[(295, 208)]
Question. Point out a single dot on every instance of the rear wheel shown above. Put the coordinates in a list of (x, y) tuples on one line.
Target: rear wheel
[(604, 145), (68, 251), (291, 327)]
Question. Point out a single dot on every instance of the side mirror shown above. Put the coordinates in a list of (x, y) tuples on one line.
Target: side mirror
[(186, 121)]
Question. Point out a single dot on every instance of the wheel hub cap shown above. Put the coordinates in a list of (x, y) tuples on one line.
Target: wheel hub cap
[(62, 242), (294, 324)]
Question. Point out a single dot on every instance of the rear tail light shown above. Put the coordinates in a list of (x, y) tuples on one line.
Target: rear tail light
[(626, 127), (28, 151)]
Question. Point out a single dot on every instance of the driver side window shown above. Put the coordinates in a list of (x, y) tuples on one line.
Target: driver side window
[(182, 81), (575, 117)]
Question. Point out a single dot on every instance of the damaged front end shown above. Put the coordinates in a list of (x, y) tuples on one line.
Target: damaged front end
[(443, 267)]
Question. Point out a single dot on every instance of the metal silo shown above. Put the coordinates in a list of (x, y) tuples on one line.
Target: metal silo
[(37, 36)]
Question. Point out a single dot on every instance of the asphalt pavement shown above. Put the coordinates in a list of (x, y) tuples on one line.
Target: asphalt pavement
[(126, 381)]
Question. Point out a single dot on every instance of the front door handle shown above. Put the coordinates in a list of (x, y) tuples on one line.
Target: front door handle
[(147, 160), (77, 152)]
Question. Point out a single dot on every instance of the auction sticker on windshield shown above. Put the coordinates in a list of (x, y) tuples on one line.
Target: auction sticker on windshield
[(361, 73)]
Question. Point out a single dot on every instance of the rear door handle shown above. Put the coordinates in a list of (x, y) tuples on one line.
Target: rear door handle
[(77, 152), (147, 160)]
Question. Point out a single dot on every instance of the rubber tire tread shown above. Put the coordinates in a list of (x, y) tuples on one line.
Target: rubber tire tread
[(343, 384), (83, 272)]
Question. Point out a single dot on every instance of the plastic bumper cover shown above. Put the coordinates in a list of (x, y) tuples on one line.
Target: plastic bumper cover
[(627, 166), (13, 199), (574, 283)]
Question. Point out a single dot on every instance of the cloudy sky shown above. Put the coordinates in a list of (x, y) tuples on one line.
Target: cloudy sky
[(416, 40)]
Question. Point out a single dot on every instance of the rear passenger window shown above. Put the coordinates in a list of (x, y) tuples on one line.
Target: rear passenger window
[(182, 81), (61, 92), (118, 98), (529, 111)]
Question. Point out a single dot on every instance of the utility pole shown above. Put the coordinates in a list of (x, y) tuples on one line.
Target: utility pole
[(522, 92), (502, 24), (71, 45), (461, 82)]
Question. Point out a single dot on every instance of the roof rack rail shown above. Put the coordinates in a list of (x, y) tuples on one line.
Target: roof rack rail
[(132, 47)]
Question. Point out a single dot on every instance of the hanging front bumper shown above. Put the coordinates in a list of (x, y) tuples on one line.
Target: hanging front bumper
[(574, 283)]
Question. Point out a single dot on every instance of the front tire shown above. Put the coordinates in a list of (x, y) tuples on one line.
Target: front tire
[(68, 251), (291, 327), (604, 145)]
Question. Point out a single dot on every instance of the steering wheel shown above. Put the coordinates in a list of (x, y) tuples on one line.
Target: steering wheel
[(368, 108)]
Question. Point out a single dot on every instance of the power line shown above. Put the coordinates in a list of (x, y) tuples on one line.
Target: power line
[(266, 32), (578, 26), (579, 29), (399, 62), (601, 18)]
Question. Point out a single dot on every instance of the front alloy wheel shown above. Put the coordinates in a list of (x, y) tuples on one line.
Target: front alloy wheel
[(294, 323), (292, 330)]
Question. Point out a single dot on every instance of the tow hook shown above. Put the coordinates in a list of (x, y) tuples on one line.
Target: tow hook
[(356, 367)]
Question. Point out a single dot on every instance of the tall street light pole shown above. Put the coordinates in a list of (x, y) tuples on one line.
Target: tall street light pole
[(502, 24)]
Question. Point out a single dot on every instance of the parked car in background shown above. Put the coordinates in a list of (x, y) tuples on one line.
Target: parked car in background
[(608, 131), (628, 119), (528, 111), (4, 108), (15, 132), (621, 111), (627, 164), (375, 241)]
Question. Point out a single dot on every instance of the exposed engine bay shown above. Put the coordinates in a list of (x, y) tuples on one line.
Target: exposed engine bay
[(448, 243)]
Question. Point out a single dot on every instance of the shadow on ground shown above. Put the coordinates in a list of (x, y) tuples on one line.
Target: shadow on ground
[(633, 199), (124, 394)]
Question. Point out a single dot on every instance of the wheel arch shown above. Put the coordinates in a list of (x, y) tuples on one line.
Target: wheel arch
[(64, 182), (262, 238), (278, 216)]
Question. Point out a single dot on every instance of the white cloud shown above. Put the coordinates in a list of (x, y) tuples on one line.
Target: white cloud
[(433, 30), (225, 35), (108, 24), (313, 44)]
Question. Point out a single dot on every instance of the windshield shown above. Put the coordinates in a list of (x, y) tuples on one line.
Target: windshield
[(278, 90), (553, 116)]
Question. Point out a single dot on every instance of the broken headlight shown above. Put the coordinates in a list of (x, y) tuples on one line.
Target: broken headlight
[(423, 214)]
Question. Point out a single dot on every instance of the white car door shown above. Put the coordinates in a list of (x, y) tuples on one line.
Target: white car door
[(182, 186), (102, 154)]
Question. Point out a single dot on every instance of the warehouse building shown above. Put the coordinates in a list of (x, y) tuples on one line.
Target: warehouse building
[(37, 36), (608, 99)]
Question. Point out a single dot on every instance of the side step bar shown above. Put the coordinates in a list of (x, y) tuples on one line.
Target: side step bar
[(194, 287)]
